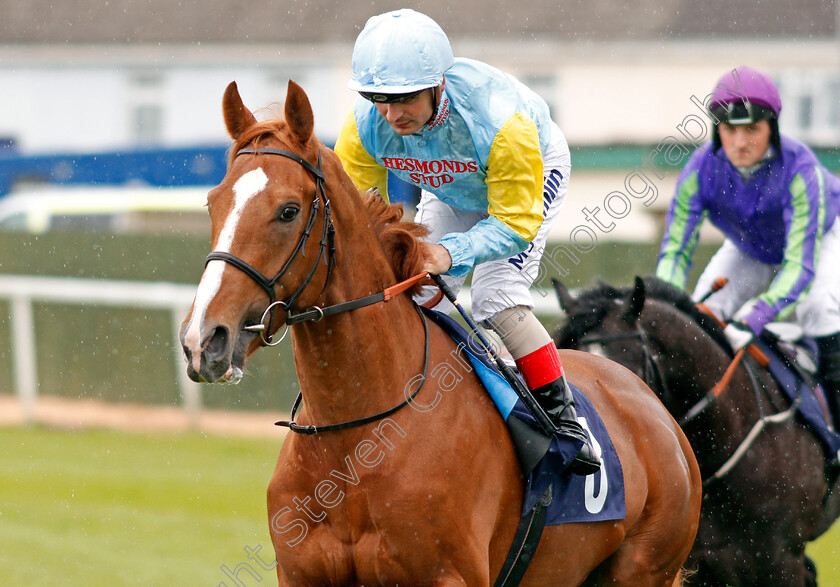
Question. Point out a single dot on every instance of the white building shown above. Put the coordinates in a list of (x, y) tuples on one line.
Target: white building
[(87, 76)]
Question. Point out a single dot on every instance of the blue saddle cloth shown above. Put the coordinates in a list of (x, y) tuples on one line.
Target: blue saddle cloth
[(811, 406), (596, 497)]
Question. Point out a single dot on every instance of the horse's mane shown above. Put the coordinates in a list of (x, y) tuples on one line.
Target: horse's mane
[(593, 305), (399, 240)]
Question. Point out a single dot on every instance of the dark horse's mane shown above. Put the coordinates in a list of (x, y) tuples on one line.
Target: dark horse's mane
[(399, 239), (594, 304)]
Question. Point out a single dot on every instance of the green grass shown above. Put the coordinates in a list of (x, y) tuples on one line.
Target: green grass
[(826, 553), (108, 508)]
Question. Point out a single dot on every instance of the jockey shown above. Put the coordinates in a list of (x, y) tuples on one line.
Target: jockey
[(776, 205), (493, 169)]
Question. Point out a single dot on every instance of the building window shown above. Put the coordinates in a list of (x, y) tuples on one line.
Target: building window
[(146, 108), (805, 112), (148, 123), (545, 86), (834, 103), (811, 106)]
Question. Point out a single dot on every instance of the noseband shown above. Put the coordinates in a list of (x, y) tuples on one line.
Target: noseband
[(327, 244)]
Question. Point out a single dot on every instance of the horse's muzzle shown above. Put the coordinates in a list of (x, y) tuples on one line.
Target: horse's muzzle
[(217, 359)]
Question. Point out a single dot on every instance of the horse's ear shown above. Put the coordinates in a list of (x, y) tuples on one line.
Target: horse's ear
[(237, 117), (636, 303), (567, 301), (299, 113)]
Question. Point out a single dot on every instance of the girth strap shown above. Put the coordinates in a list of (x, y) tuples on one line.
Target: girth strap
[(525, 542)]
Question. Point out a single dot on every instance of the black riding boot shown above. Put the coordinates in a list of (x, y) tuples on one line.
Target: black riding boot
[(557, 401), (828, 349)]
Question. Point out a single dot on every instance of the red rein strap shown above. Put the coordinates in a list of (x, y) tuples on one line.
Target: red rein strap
[(724, 381), (753, 350), (316, 313), (715, 392), (400, 287)]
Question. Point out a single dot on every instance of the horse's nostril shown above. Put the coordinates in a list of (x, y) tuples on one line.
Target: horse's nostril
[(217, 344)]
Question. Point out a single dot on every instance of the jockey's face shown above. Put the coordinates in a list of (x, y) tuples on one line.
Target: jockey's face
[(745, 144), (409, 116)]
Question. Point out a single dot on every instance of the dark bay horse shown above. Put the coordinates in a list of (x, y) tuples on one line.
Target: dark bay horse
[(387, 481), (759, 514)]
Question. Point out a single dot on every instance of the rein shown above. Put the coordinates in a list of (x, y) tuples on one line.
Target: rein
[(713, 393), (654, 377), (315, 313), (294, 427)]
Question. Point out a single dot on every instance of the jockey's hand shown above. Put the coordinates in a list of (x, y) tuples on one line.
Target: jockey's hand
[(739, 335), (438, 260)]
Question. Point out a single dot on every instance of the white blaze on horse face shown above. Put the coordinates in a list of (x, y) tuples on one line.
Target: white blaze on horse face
[(245, 188)]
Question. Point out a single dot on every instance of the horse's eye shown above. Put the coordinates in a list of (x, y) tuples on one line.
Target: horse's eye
[(288, 213)]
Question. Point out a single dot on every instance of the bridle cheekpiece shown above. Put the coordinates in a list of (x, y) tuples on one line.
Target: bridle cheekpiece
[(327, 245)]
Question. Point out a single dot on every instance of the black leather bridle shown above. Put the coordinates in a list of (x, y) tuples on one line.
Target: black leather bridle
[(327, 245), (315, 313), (655, 379)]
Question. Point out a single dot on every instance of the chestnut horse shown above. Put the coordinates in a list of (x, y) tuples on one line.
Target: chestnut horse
[(760, 510), (390, 482)]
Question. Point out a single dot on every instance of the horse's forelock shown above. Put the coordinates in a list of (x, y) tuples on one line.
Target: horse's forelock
[(590, 309), (274, 128), (399, 240)]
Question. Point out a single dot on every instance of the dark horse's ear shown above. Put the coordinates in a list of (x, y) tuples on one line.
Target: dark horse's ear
[(567, 301), (299, 113), (237, 117), (636, 302)]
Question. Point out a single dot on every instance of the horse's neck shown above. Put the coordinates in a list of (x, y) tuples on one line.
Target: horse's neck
[(358, 363), (693, 364), (692, 361)]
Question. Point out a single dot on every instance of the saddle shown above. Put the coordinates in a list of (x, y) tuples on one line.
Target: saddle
[(794, 348), (597, 497), (792, 363)]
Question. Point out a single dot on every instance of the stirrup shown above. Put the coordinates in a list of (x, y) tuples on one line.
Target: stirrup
[(586, 462), (558, 402)]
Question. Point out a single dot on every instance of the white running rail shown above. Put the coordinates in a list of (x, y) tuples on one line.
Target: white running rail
[(22, 290)]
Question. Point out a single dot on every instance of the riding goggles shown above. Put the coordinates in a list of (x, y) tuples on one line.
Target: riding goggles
[(741, 112), (390, 98)]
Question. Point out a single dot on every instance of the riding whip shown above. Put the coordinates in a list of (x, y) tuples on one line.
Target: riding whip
[(523, 392), (718, 285)]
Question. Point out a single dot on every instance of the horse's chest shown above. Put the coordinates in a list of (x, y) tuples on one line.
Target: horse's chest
[(330, 555), (363, 540)]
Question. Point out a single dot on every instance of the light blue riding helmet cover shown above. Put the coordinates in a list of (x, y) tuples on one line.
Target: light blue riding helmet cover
[(400, 52)]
